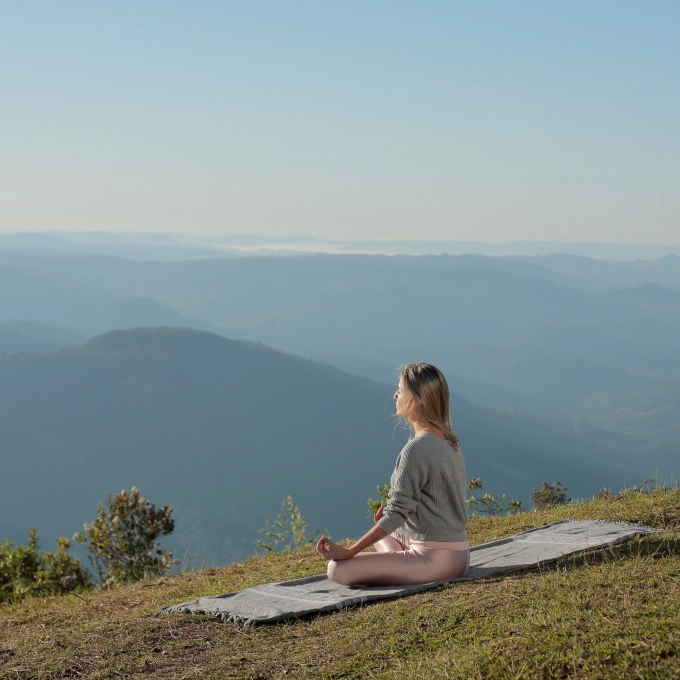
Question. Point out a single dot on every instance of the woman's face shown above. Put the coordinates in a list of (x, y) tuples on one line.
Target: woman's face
[(397, 396), (403, 404)]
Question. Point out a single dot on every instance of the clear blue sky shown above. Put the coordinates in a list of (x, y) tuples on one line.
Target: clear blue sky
[(384, 119)]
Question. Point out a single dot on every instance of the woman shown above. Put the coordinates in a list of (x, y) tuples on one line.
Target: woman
[(420, 535)]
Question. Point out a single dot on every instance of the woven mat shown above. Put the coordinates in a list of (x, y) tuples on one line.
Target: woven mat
[(273, 602)]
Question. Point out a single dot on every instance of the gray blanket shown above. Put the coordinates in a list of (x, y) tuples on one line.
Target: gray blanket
[(274, 602)]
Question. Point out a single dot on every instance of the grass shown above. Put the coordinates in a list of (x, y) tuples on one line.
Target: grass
[(613, 613)]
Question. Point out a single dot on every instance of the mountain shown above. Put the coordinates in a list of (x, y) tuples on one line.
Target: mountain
[(606, 273), (18, 337), (12, 342), (142, 247), (222, 431), (219, 430), (651, 413), (35, 298), (545, 335), (361, 305), (59, 335)]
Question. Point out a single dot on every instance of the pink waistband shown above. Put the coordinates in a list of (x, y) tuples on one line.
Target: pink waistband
[(441, 545)]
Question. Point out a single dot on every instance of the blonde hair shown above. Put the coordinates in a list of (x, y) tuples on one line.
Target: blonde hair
[(425, 398)]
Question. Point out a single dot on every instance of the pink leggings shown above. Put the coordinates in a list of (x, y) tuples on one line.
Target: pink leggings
[(401, 561)]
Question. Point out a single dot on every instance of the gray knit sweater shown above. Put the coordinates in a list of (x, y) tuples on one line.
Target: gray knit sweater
[(427, 494)]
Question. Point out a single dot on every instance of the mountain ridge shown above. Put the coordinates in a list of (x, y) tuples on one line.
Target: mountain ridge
[(222, 430)]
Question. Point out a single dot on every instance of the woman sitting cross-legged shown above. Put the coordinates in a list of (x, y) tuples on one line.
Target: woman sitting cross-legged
[(420, 534)]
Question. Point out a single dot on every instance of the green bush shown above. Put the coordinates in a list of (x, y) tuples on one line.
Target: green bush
[(549, 495), (288, 532), (26, 571), (490, 504), (375, 503), (122, 538), (487, 503)]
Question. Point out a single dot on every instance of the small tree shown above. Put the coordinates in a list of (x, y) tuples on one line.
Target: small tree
[(514, 507), (26, 571), (374, 504), (288, 532), (488, 503), (549, 495), (474, 483), (122, 539)]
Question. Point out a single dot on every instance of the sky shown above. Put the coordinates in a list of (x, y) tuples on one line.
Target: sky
[(486, 121)]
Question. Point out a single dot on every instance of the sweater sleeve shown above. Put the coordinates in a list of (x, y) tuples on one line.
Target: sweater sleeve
[(408, 479)]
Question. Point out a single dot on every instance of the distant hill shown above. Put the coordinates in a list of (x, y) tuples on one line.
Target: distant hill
[(35, 297), (361, 305), (12, 342), (605, 273), (547, 335), (134, 247), (652, 413), (19, 337), (223, 430), (159, 246)]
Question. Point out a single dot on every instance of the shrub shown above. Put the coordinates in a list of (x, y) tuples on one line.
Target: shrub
[(288, 532), (514, 507), (25, 571), (374, 504), (122, 539), (549, 495), (488, 503)]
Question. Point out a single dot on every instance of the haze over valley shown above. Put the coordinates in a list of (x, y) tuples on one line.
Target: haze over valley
[(562, 367)]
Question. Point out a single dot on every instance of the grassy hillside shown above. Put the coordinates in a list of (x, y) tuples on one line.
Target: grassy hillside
[(607, 614)]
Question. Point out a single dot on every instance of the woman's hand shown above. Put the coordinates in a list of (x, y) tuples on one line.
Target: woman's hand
[(378, 515), (332, 551)]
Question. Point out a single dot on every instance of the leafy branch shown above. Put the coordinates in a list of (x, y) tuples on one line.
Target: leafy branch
[(288, 532)]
